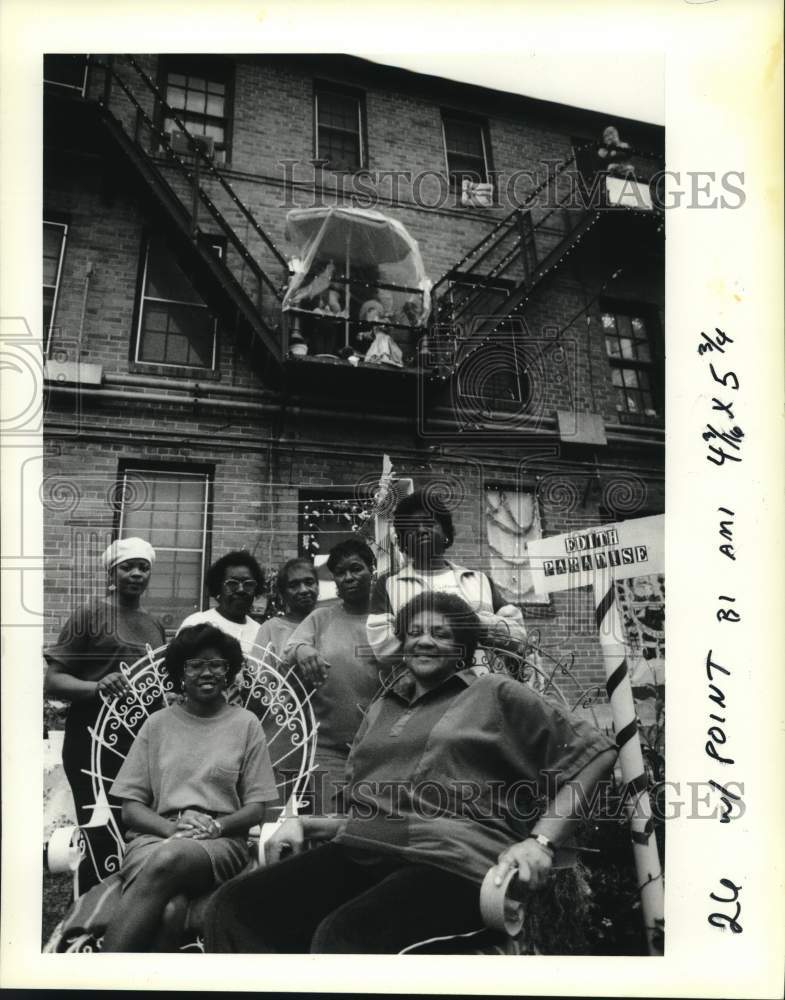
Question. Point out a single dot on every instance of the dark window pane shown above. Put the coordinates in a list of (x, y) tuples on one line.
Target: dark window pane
[(463, 137), (338, 110), (165, 278), (340, 150)]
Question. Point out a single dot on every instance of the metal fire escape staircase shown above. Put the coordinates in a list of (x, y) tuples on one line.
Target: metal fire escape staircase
[(497, 276), (252, 272)]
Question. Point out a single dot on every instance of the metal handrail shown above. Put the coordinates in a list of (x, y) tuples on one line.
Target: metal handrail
[(163, 138), (209, 163)]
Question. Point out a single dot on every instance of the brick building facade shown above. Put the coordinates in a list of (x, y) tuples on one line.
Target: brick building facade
[(174, 408)]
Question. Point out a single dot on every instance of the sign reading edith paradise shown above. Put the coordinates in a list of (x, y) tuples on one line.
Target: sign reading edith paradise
[(612, 551)]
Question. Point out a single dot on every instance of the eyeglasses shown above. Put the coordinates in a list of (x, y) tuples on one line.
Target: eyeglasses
[(199, 666), (247, 586)]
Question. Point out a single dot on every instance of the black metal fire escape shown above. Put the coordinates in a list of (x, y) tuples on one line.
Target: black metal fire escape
[(496, 277), (252, 272)]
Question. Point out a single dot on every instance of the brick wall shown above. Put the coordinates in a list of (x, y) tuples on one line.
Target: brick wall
[(262, 457)]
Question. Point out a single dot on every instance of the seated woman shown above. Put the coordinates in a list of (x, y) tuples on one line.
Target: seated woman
[(424, 528), (330, 651), (195, 780), (450, 774)]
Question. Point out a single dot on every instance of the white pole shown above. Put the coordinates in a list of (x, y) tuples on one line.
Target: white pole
[(625, 721)]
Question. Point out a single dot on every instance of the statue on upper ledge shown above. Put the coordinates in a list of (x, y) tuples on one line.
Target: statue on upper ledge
[(614, 154)]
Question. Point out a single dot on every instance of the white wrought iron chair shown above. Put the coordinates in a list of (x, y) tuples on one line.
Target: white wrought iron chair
[(94, 851)]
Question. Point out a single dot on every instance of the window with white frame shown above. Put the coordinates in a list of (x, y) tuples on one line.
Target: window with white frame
[(339, 132), (175, 327), (197, 89), (631, 351), (169, 508), (53, 251), (466, 149)]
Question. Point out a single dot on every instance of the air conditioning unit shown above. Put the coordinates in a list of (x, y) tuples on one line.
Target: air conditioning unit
[(476, 195), (181, 145)]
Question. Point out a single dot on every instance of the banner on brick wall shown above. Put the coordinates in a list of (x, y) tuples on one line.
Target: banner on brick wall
[(608, 552)]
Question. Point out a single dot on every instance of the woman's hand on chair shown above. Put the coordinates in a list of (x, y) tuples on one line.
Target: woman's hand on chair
[(310, 664), (287, 839), (531, 859), (114, 685)]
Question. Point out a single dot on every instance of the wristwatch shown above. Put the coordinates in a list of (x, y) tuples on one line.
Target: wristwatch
[(544, 842), (217, 823)]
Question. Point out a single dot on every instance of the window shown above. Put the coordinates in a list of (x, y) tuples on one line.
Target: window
[(629, 345), (54, 249), (512, 520), (492, 376), (339, 121), (175, 326), (327, 517), (66, 71), (466, 149), (197, 90), (169, 508)]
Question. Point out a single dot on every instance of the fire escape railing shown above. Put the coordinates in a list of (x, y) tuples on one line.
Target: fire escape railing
[(495, 278), (248, 269)]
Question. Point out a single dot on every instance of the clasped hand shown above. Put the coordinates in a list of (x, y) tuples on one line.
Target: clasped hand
[(196, 825)]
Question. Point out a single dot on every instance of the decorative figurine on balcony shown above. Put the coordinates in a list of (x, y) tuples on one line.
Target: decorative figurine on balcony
[(613, 153), (329, 302), (383, 349)]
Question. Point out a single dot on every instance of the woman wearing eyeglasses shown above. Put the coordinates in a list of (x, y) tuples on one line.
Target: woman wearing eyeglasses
[(234, 581), (195, 780)]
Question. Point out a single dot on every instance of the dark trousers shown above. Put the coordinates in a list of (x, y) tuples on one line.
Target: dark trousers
[(326, 901)]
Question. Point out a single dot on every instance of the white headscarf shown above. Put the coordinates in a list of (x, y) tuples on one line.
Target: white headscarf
[(127, 548)]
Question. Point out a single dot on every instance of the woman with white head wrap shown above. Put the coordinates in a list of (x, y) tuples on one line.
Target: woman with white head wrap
[(84, 663)]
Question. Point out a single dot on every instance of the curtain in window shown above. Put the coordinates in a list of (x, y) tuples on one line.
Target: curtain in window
[(512, 520)]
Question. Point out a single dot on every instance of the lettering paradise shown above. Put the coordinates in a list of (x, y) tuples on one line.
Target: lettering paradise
[(581, 557)]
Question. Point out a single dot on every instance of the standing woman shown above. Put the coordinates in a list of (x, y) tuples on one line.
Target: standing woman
[(297, 587), (424, 527), (234, 580), (331, 653), (84, 663)]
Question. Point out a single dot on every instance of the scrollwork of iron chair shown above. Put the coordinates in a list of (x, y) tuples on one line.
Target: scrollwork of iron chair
[(270, 690)]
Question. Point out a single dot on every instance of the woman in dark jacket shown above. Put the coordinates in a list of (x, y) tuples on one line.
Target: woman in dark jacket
[(450, 775)]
